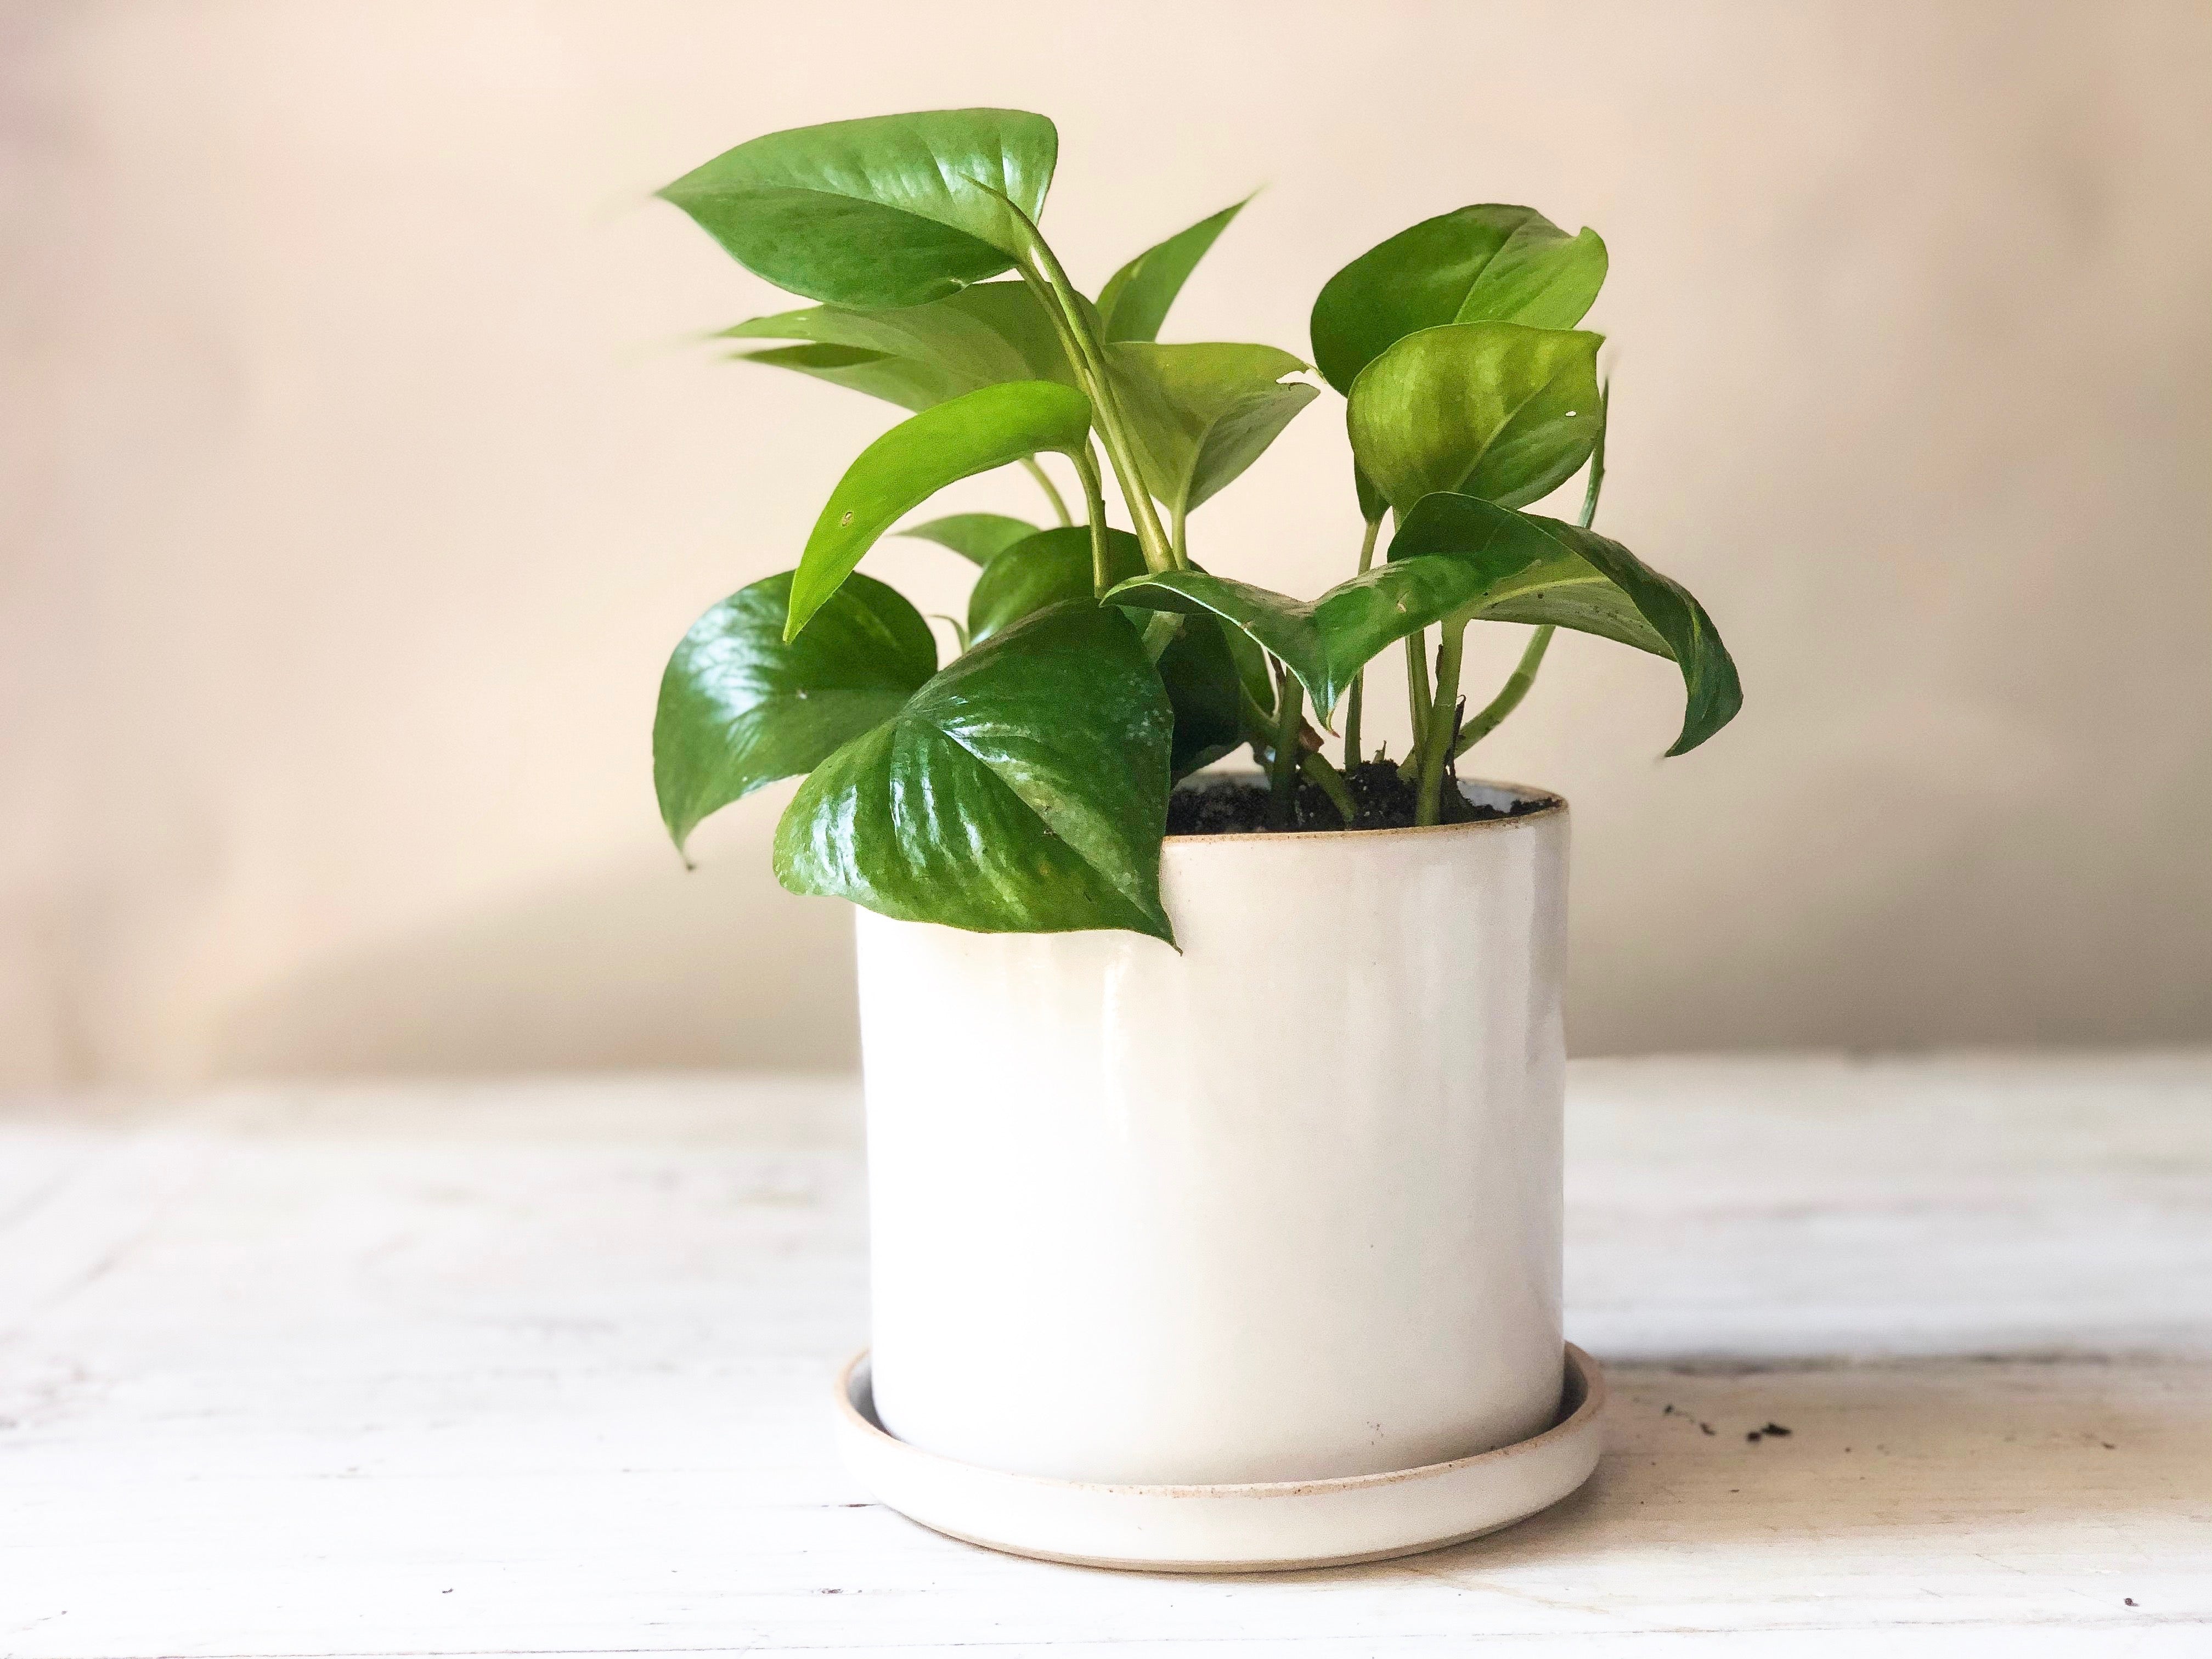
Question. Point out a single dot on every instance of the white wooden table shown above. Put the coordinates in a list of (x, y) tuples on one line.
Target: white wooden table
[(542, 1369)]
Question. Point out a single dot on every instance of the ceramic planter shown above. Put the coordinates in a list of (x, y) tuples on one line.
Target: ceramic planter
[(1283, 1207)]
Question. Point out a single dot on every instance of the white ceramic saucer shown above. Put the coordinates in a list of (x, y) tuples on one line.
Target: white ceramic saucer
[(1232, 1528)]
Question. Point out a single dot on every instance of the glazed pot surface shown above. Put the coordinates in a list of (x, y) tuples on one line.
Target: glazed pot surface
[(1283, 1207)]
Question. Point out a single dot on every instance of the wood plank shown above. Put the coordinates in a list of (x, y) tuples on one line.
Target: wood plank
[(541, 1369)]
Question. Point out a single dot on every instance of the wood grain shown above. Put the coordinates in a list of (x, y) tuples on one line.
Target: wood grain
[(543, 1369)]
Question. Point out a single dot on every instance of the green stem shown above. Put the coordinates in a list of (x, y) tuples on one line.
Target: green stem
[(1358, 697), (1094, 503), (1532, 655), (1508, 698), (1289, 707), (1315, 767), (1417, 698), (1178, 541), (1436, 743), (1050, 489), (1043, 270)]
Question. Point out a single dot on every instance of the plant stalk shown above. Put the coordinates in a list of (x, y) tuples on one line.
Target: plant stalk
[(1437, 742), (1290, 707), (1094, 503), (1051, 489), (1509, 696), (1314, 766), (1358, 697), (1532, 655), (1417, 698), (1043, 271)]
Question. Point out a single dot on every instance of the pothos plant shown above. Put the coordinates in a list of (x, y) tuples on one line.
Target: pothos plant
[(1022, 785)]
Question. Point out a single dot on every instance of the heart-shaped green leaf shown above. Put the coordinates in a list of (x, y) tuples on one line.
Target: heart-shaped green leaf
[(1044, 569), (918, 458), (1022, 790), (977, 536), (1135, 301), (1201, 414), (1540, 570), (1494, 409), (884, 211), (982, 335), (1485, 263), (1323, 641), (739, 707)]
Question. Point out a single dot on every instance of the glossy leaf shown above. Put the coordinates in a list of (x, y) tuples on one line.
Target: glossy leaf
[(982, 336), (977, 536), (1252, 673), (1485, 263), (1542, 570), (1022, 790), (1201, 414), (1053, 567), (884, 211), (918, 458), (1324, 641), (739, 707), (1201, 673), (1135, 301), (1044, 569), (1492, 409)]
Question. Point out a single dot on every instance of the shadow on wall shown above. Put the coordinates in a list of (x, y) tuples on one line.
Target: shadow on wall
[(644, 968)]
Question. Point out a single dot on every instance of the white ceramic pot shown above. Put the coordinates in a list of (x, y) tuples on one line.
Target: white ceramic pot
[(1282, 1207)]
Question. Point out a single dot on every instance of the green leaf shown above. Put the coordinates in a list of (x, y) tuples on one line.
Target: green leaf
[(1201, 414), (1485, 263), (1542, 570), (1201, 673), (977, 536), (1324, 641), (1135, 301), (1371, 504), (1045, 568), (739, 707), (982, 336), (918, 458), (884, 211), (910, 384), (1252, 673), (1494, 409), (1053, 567), (1022, 790)]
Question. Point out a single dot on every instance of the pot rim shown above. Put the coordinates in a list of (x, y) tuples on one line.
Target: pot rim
[(1555, 805)]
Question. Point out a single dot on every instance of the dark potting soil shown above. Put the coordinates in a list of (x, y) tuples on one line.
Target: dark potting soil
[(1232, 807)]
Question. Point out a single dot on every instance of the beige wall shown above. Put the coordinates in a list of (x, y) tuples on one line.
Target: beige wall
[(358, 475)]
